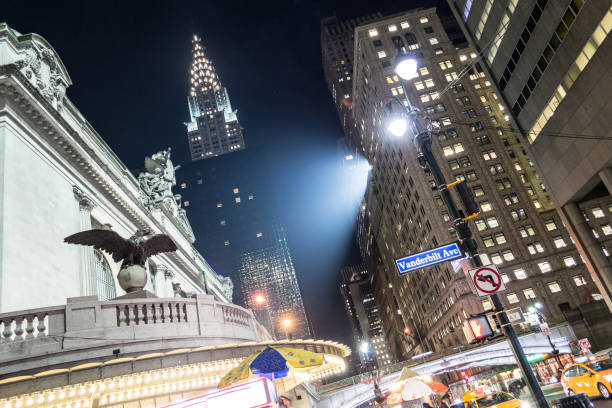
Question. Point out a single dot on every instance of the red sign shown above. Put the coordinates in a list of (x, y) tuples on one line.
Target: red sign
[(487, 280), (584, 344)]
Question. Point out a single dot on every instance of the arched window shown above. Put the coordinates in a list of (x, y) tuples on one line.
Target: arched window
[(411, 40), (152, 273), (105, 284)]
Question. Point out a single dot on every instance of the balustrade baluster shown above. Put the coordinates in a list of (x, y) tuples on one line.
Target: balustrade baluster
[(131, 316), (29, 327), (159, 314), (185, 312), (19, 328), (168, 308), (177, 311), (7, 333), (121, 316), (41, 327)]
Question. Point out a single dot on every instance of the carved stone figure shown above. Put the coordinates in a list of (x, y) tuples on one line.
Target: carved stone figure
[(41, 68), (157, 181)]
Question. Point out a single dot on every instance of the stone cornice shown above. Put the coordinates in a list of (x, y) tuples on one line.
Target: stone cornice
[(66, 141)]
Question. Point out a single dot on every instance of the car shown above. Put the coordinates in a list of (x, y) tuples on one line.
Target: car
[(495, 400), (593, 378)]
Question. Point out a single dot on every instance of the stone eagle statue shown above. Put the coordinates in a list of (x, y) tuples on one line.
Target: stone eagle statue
[(132, 251)]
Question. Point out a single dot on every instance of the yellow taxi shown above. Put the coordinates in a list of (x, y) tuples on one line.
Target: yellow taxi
[(594, 378), (494, 400)]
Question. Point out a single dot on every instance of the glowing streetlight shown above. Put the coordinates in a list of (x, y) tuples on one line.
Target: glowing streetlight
[(286, 325), (405, 66), (364, 347), (397, 126), (260, 300)]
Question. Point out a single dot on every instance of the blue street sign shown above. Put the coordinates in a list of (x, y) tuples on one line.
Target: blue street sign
[(428, 258)]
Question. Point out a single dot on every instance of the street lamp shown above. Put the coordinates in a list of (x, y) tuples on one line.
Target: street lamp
[(397, 125), (406, 67), (260, 300), (535, 309), (286, 324)]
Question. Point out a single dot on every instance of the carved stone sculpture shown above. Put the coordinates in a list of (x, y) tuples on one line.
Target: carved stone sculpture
[(132, 252)]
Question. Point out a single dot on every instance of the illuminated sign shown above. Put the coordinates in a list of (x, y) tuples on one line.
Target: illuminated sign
[(428, 258), (253, 394), (480, 327)]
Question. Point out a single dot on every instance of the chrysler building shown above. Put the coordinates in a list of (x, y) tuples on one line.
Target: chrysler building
[(214, 129)]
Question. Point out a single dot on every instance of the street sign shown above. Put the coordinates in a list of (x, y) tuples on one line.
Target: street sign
[(560, 341), (584, 344), (545, 329), (515, 315), (487, 280), (428, 258)]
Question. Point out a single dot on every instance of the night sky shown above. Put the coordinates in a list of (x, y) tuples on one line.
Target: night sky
[(129, 67)]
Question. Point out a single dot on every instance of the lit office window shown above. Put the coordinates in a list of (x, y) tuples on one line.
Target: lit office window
[(373, 32), (554, 287), (545, 267), (529, 293), (520, 274), (569, 261), (579, 280), (512, 298)]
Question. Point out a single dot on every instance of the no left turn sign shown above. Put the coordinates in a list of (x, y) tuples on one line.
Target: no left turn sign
[(487, 280)]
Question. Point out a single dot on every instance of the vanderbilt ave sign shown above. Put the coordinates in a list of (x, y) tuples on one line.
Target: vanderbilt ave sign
[(428, 258)]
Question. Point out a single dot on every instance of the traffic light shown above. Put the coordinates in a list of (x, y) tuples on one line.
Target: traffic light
[(479, 324), (466, 377)]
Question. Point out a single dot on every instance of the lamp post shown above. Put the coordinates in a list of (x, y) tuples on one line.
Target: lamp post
[(262, 303), (405, 68), (535, 309), (286, 324)]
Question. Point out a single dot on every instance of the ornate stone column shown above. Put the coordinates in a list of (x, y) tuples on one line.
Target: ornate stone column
[(88, 273), (169, 290)]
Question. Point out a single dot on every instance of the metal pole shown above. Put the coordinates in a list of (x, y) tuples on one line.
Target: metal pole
[(423, 142)]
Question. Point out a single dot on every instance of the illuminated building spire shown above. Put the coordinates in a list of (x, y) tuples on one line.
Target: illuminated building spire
[(203, 75), (213, 128)]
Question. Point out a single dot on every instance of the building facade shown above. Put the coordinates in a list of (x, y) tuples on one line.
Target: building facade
[(268, 272), (60, 177), (362, 310), (550, 63), (517, 229), (213, 128)]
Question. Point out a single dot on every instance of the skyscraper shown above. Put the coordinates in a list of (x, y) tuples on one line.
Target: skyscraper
[(364, 316), (550, 62), (213, 129), (268, 272), (233, 207), (517, 228)]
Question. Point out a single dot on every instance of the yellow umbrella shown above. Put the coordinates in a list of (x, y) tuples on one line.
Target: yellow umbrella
[(271, 362), (407, 374)]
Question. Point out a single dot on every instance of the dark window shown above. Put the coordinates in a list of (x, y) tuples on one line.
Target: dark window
[(377, 43), (428, 29)]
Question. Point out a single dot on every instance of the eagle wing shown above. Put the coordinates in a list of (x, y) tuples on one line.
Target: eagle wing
[(158, 244), (105, 240)]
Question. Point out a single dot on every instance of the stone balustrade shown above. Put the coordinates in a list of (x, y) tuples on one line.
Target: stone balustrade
[(86, 329), (31, 324)]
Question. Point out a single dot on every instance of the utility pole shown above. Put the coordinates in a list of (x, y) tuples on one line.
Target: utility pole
[(406, 67)]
